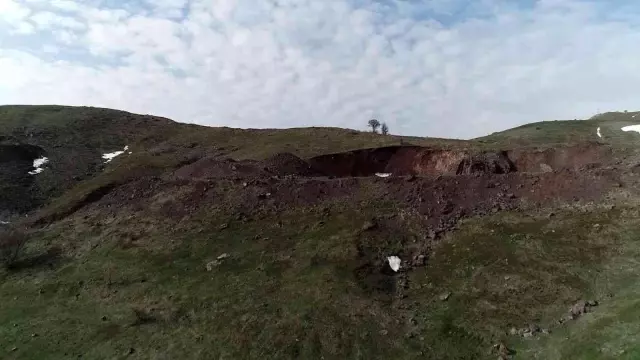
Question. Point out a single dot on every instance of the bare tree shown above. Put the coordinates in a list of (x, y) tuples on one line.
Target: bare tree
[(12, 241), (384, 129), (374, 125)]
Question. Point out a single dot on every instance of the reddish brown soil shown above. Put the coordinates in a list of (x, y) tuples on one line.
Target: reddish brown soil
[(434, 162)]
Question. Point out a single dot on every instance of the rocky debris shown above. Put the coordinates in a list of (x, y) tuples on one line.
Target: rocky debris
[(545, 168), (369, 225), (217, 262), (581, 307), (502, 351), (419, 260), (445, 296), (530, 331)]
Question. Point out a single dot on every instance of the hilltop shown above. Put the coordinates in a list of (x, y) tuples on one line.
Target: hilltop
[(199, 242)]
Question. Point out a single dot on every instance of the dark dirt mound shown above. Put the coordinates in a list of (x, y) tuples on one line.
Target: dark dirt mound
[(288, 164), (214, 168), (486, 163)]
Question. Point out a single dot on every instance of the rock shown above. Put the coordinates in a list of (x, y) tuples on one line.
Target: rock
[(445, 296), (212, 264), (34, 335), (551, 214), (410, 178), (224, 226), (592, 303), (546, 168), (104, 318), (131, 351), (502, 350), (223, 256), (383, 332), (14, 348), (511, 196), (369, 225), (419, 260), (581, 307), (513, 331), (596, 226)]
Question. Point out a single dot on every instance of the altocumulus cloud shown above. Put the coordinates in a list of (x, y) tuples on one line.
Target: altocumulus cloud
[(455, 68)]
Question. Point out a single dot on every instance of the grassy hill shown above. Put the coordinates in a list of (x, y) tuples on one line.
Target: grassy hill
[(210, 243)]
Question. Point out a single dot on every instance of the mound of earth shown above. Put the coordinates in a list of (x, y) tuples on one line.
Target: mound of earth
[(288, 164), (215, 168)]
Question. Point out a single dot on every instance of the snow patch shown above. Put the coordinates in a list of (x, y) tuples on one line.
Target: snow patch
[(635, 128), (110, 156), (598, 132), (394, 263), (37, 165), (634, 115), (383, 175), (4, 222)]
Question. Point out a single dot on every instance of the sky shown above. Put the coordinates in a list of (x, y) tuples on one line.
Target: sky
[(438, 68)]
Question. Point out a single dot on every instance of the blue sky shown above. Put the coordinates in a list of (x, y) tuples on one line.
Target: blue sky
[(447, 68)]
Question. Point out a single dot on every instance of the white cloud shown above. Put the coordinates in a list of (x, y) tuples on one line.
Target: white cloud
[(281, 63)]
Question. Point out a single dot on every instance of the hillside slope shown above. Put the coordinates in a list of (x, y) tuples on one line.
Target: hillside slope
[(283, 244)]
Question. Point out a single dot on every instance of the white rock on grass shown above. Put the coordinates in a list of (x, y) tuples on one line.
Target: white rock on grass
[(394, 263), (37, 165), (635, 128), (110, 156)]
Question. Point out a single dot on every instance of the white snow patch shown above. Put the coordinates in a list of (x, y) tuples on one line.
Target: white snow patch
[(383, 175), (635, 128), (37, 165), (394, 263), (110, 156), (4, 222), (598, 132), (634, 115)]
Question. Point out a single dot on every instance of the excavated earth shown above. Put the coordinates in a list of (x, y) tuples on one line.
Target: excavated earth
[(437, 187)]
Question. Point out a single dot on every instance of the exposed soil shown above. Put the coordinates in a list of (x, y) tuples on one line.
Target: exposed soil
[(434, 162)]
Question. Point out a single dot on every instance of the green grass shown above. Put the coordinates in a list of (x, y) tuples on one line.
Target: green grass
[(292, 291)]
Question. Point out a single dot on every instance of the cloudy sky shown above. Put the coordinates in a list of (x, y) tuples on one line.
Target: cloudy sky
[(448, 68)]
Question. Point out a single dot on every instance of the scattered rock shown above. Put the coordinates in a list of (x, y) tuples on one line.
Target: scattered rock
[(34, 335), (445, 296), (224, 226), (596, 226), (383, 332), (14, 348), (546, 168), (551, 214), (581, 307)]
